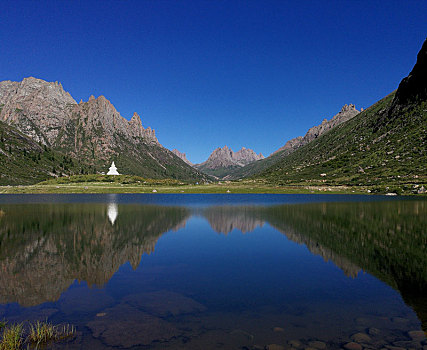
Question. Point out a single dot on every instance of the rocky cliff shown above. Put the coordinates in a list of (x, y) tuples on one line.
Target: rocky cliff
[(93, 131), (346, 113), (222, 160)]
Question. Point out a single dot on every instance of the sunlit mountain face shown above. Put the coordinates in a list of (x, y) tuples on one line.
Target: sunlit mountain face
[(178, 272)]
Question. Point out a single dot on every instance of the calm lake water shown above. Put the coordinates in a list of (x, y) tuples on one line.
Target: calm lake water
[(218, 271)]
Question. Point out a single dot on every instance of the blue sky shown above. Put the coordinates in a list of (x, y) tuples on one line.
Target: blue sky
[(205, 74)]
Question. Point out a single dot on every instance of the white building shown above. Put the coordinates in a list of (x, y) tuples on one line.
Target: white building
[(113, 170)]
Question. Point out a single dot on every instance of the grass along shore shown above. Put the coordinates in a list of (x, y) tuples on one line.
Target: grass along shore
[(135, 184)]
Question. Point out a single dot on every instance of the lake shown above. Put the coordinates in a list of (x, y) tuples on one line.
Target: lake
[(218, 271)]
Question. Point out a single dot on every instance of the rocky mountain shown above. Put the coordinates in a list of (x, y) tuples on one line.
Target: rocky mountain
[(182, 156), (385, 145), (223, 160), (92, 131), (346, 113)]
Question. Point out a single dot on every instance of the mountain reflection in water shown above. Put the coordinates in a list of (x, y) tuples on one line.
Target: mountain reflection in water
[(44, 248)]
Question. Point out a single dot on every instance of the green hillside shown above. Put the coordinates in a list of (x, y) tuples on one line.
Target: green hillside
[(24, 161), (378, 147), (255, 167)]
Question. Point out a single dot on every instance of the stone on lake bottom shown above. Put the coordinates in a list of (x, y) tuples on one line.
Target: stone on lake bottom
[(417, 335), (317, 344), (164, 303), (296, 344), (399, 320), (353, 346), (374, 331), (126, 327), (361, 338), (275, 347)]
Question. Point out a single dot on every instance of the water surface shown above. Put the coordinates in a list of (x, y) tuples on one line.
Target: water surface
[(217, 271)]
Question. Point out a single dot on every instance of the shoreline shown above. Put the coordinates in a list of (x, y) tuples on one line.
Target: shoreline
[(230, 188)]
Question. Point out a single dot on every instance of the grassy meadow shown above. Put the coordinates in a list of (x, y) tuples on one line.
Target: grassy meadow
[(136, 184)]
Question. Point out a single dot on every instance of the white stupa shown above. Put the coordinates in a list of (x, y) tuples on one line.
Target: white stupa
[(113, 170)]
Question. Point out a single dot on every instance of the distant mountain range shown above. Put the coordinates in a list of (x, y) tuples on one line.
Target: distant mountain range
[(45, 133), (223, 160)]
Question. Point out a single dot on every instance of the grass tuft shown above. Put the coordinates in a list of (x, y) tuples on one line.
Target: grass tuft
[(39, 333), (12, 337), (44, 332)]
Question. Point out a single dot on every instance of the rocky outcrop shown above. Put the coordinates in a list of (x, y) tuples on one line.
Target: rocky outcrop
[(347, 112), (225, 158), (182, 156)]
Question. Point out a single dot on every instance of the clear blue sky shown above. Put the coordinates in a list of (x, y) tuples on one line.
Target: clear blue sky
[(206, 74)]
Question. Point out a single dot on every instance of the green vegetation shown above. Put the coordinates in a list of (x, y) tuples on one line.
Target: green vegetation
[(219, 172), (112, 179), (14, 337), (96, 183), (45, 332), (135, 184), (24, 161)]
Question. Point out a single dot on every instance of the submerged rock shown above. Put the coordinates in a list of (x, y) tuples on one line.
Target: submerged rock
[(164, 303), (275, 347), (361, 338), (417, 335), (353, 346), (317, 344), (126, 326)]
